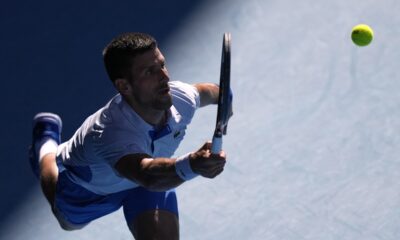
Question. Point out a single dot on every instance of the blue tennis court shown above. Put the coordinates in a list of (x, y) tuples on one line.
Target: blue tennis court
[(313, 146)]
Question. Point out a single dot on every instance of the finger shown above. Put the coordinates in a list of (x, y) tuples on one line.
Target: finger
[(219, 171), (217, 167), (206, 146), (211, 169), (216, 172), (211, 164)]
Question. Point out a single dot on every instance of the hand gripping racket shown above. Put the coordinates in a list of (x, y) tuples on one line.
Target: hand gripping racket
[(225, 96)]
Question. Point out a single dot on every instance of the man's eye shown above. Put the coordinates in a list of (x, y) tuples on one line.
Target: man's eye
[(148, 71)]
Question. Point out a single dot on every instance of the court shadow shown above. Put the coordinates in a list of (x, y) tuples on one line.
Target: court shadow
[(51, 61)]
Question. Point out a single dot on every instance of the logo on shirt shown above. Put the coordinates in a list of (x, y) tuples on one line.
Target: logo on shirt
[(177, 133)]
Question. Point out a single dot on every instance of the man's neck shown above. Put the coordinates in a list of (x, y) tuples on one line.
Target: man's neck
[(154, 117)]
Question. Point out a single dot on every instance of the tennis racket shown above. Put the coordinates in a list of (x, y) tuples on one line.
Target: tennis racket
[(225, 96)]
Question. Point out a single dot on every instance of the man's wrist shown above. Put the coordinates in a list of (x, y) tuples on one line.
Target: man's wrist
[(183, 168)]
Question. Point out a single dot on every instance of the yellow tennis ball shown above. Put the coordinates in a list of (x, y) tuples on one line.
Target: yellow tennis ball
[(362, 35)]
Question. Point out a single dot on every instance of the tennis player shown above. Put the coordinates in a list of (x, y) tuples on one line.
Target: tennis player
[(121, 154)]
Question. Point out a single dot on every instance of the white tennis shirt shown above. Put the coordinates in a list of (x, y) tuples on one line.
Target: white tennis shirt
[(115, 131)]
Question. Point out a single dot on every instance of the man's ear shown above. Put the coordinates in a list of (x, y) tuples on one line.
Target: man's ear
[(123, 86)]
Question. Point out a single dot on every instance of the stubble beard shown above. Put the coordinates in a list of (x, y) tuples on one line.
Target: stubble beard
[(163, 104)]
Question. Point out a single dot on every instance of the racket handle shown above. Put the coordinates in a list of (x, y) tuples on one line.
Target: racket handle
[(216, 145)]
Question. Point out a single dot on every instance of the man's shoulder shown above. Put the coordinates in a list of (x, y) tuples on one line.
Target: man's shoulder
[(182, 86), (184, 94), (185, 99), (112, 122)]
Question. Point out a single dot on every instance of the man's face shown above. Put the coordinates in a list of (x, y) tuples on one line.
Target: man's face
[(149, 80)]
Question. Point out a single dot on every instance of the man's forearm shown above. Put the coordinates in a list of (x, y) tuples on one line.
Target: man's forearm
[(156, 174), (208, 93), (160, 174)]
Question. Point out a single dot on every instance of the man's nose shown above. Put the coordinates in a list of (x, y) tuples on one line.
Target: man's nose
[(164, 74)]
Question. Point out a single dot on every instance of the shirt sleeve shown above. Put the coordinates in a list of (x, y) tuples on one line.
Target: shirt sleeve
[(186, 98), (112, 149), (111, 139)]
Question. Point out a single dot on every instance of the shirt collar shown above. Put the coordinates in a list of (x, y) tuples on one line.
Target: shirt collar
[(174, 117)]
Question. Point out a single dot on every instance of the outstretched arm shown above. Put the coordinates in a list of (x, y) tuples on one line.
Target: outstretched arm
[(159, 174), (208, 93)]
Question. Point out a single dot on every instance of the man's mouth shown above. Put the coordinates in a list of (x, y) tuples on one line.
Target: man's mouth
[(164, 90)]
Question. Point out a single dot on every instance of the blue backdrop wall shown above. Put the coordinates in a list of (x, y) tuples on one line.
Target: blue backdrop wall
[(51, 61)]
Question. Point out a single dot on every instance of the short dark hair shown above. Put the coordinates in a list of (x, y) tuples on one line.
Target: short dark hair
[(119, 53)]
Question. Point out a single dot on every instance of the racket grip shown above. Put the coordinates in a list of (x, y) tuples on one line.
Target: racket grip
[(216, 145)]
